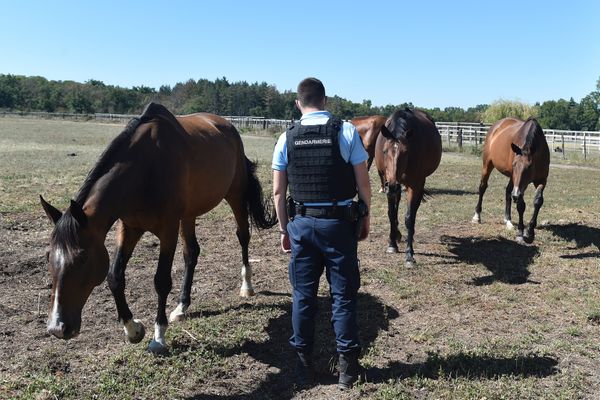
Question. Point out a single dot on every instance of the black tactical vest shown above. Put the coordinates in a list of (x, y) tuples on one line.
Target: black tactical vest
[(316, 170)]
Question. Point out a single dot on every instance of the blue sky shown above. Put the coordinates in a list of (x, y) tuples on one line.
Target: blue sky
[(431, 53)]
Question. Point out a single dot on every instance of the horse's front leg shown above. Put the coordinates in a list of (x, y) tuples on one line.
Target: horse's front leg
[(483, 184), (538, 201), (127, 238), (191, 251), (393, 198), (521, 211), (508, 204), (163, 284), (414, 201)]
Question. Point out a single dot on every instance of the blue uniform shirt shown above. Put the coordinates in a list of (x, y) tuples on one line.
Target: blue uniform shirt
[(351, 147)]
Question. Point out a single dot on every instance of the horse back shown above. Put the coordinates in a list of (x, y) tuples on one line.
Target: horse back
[(368, 129)]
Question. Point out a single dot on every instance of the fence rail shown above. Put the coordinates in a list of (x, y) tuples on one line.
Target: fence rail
[(453, 133)]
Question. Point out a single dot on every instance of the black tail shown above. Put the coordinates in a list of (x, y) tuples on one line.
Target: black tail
[(261, 211)]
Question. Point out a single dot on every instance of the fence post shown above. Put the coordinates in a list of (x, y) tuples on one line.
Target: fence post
[(459, 139), (584, 146), (562, 138)]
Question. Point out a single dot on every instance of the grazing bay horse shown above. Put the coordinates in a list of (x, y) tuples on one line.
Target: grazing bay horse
[(369, 128), (157, 176), (517, 149), (408, 150)]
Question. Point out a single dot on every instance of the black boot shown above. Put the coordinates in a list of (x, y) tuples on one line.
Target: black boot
[(350, 370), (305, 374)]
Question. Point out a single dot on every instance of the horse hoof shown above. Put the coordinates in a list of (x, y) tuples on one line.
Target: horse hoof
[(246, 292), (391, 250), (178, 314), (136, 331), (520, 240), (410, 263), (157, 348), (509, 225), (529, 238), (476, 219)]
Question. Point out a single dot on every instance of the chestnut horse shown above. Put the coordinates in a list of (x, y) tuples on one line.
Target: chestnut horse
[(517, 149), (408, 150), (369, 128), (157, 176)]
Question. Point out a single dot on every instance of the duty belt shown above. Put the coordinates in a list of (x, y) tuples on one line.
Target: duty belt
[(333, 212)]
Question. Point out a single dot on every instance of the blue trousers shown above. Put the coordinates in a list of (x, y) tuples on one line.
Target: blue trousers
[(317, 244)]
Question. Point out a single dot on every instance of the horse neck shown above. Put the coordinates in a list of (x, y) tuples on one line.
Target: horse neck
[(111, 197)]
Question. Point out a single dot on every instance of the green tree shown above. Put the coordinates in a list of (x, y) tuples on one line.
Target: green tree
[(508, 108)]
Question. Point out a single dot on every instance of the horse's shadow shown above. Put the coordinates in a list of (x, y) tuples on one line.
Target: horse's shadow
[(450, 192), (582, 235), (468, 365), (505, 259), (275, 352)]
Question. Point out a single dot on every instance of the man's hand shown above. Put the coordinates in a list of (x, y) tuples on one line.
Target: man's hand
[(285, 243), (364, 229)]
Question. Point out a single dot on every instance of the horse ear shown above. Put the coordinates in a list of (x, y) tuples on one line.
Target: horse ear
[(516, 149), (52, 213), (386, 133), (78, 214)]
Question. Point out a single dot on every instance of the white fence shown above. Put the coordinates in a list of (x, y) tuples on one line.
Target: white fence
[(560, 141), (453, 133)]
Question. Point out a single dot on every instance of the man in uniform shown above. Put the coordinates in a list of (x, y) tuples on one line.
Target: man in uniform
[(323, 162)]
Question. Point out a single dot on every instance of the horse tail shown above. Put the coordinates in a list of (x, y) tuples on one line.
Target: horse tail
[(261, 210), (426, 195)]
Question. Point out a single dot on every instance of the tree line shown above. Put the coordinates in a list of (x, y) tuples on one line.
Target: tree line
[(264, 100)]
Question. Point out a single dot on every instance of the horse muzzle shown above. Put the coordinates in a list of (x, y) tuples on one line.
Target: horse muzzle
[(63, 330)]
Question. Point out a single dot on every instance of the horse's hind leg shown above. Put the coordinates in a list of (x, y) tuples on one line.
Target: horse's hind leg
[(538, 201), (483, 184), (191, 251), (127, 238), (414, 197), (243, 234), (508, 200)]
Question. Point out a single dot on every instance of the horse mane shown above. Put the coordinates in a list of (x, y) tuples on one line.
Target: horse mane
[(405, 116), (107, 158), (533, 130), (65, 233)]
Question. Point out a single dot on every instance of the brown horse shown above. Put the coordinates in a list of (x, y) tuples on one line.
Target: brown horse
[(369, 128), (156, 176), (408, 150), (517, 149)]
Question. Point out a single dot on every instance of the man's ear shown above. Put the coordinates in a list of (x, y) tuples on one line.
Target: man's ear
[(516, 149), (52, 213)]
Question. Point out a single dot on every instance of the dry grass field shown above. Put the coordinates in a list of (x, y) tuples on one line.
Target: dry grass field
[(478, 317)]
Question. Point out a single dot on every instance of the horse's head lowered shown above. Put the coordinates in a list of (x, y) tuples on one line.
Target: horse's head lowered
[(522, 170), (397, 132), (77, 262)]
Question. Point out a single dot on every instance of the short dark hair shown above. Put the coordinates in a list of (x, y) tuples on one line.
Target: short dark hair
[(311, 92)]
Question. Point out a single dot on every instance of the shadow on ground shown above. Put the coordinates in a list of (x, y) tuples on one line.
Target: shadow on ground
[(469, 366), (583, 236), (505, 259), (373, 316), (450, 192)]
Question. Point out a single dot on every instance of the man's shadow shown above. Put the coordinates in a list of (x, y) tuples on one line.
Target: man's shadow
[(582, 235), (275, 352), (505, 259)]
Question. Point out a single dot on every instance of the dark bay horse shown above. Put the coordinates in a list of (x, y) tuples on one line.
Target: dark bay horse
[(517, 149), (157, 176), (369, 128), (408, 150)]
